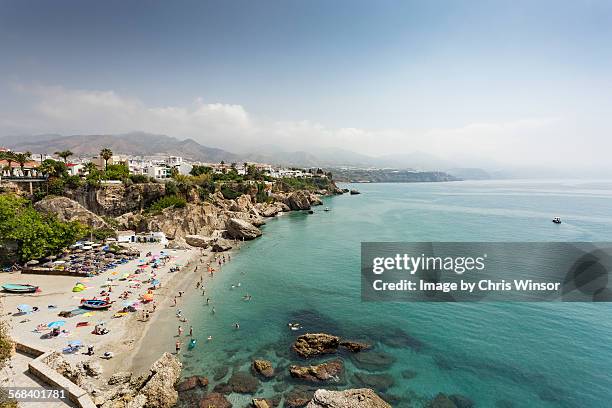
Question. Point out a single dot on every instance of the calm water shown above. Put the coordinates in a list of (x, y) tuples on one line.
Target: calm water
[(306, 268)]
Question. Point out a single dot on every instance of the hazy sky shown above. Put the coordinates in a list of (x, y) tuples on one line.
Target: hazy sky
[(514, 82)]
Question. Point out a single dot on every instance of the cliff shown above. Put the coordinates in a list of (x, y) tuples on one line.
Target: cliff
[(116, 199)]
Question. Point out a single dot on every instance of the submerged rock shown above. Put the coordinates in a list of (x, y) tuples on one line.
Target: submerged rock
[(220, 372), (354, 346), (215, 400), (315, 344), (328, 371), (243, 383), (441, 401), (363, 398), (298, 397), (379, 382), (192, 382), (373, 360), (461, 401)]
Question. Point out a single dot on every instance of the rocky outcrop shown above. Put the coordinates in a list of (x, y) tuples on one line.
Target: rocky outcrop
[(221, 245), (263, 368), (69, 210), (315, 344), (355, 192), (117, 199), (298, 200), (240, 229), (362, 398), (198, 241), (325, 372), (156, 390)]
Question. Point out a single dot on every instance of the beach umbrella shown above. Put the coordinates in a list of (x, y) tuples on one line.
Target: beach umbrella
[(75, 343), (57, 323), (155, 282), (147, 297), (24, 308)]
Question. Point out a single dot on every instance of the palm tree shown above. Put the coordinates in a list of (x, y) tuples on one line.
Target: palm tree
[(10, 158), (90, 167), (64, 154), (22, 159), (106, 154)]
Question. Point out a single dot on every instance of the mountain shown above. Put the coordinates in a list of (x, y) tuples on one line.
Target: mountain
[(147, 144), (136, 143)]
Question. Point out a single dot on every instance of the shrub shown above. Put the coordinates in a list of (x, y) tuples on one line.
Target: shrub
[(171, 188), (166, 202), (139, 178)]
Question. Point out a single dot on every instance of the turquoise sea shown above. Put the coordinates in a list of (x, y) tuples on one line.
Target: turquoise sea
[(306, 268)]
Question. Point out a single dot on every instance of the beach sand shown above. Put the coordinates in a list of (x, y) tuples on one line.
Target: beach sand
[(125, 333)]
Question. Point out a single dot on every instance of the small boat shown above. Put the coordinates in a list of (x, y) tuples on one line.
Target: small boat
[(294, 326), (18, 288), (192, 344), (95, 304), (327, 209), (557, 220)]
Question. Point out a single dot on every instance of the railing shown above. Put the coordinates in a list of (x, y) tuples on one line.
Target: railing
[(23, 178)]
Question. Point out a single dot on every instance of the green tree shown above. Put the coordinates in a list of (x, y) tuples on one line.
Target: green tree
[(22, 159), (106, 154), (53, 168), (10, 158), (64, 154)]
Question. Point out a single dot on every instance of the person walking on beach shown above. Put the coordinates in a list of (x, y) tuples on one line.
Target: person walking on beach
[(190, 331), (175, 301), (178, 346), (180, 331)]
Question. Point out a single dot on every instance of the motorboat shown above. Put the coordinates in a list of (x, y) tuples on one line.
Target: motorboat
[(557, 220), (327, 209), (19, 288)]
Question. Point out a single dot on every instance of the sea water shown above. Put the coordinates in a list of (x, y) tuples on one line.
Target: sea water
[(306, 269)]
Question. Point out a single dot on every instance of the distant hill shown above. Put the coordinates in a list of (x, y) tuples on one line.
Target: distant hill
[(147, 144), (131, 143)]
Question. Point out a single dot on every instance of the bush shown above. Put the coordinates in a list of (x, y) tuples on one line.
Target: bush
[(166, 202), (171, 188), (139, 178), (56, 186), (229, 193), (73, 182), (199, 170), (116, 172)]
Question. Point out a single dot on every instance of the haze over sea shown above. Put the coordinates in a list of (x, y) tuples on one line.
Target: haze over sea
[(306, 268)]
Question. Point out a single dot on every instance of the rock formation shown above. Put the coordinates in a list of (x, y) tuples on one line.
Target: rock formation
[(315, 344), (329, 371), (240, 229), (69, 210), (263, 368), (117, 199), (353, 398)]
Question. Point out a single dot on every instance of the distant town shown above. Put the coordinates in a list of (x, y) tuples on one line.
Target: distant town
[(16, 166)]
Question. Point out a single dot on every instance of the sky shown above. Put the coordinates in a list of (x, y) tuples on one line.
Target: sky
[(508, 83)]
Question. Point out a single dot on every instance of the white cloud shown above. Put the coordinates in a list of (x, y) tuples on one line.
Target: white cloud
[(529, 142)]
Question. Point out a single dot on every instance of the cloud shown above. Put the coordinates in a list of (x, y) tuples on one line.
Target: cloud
[(548, 141)]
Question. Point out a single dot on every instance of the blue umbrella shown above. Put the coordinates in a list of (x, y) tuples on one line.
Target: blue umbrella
[(74, 343), (24, 308), (155, 282), (128, 303), (57, 323)]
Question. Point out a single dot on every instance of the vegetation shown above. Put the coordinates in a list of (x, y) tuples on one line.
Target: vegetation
[(167, 202), (37, 235), (6, 350), (64, 155), (106, 154), (10, 159), (304, 183)]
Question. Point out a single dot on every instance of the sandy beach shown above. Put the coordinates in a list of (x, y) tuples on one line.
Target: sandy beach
[(125, 333)]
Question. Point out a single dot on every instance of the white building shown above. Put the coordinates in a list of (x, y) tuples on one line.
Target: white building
[(159, 172)]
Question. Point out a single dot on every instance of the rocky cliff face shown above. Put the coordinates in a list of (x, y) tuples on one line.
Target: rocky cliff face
[(115, 200), (237, 219), (69, 210)]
